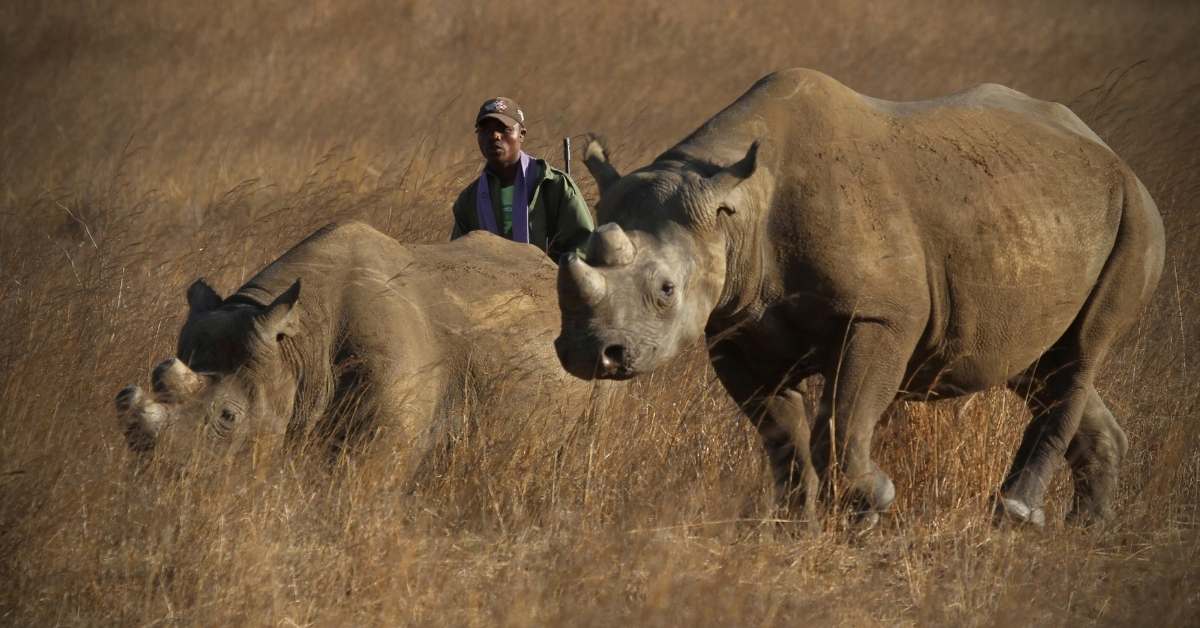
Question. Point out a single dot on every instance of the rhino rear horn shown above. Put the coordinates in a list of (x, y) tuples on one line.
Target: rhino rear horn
[(579, 281), (174, 377), (610, 246), (278, 320), (595, 157), (202, 298)]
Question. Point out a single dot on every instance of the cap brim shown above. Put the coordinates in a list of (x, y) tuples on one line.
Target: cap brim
[(507, 120)]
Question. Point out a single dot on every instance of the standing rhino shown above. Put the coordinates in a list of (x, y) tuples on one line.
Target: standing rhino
[(349, 334), (902, 250)]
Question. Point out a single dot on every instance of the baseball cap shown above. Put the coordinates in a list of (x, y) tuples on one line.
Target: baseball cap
[(503, 109)]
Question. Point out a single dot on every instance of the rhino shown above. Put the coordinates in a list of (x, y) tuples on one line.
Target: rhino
[(351, 337), (900, 250)]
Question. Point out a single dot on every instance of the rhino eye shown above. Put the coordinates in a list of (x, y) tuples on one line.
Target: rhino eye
[(223, 426), (667, 288)]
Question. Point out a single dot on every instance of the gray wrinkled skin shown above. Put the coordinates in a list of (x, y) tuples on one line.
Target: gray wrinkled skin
[(913, 250), (351, 335)]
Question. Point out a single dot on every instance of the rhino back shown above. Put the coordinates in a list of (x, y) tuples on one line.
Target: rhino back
[(494, 303), (795, 105), (491, 297), (987, 214), (419, 304)]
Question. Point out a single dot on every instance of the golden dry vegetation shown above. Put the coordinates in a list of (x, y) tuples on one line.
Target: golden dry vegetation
[(145, 144)]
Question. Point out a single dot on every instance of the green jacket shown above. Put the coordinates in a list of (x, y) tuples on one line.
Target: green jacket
[(559, 220)]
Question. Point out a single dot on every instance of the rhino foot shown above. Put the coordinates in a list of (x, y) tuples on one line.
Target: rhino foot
[(885, 493), (874, 499), (863, 522), (1088, 515), (1014, 511)]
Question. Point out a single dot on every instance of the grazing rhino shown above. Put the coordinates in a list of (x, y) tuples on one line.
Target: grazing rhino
[(351, 333), (902, 250)]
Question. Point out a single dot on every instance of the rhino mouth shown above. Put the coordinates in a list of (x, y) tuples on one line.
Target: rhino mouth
[(595, 359), (619, 373)]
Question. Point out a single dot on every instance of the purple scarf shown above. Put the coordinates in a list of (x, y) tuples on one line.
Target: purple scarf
[(520, 207)]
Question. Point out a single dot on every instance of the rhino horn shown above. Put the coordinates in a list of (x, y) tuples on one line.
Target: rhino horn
[(173, 376), (128, 400), (140, 418), (610, 246), (579, 280)]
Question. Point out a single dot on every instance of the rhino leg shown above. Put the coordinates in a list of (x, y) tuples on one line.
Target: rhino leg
[(1095, 457), (1070, 418), (1071, 422), (1055, 395), (782, 422), (858, 389)]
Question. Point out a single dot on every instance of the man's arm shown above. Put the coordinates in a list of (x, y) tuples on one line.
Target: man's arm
[(574, 221), (461, 226)]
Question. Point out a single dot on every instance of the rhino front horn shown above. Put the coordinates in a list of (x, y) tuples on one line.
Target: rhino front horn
[(140, 418), (576, 279), (610, 246), (173, 376)]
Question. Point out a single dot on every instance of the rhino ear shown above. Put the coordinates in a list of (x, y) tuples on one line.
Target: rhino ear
[(595, 157), (729, 177), (279, 319), (724, 185), (202, 298)]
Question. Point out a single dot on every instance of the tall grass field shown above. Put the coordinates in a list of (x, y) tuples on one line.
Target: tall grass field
[(144, 144)]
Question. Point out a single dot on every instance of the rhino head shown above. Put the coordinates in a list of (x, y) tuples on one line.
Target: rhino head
[(230, 386), (654, 271)]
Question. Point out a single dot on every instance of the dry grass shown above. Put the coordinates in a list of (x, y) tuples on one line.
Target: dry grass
[(145, 143)]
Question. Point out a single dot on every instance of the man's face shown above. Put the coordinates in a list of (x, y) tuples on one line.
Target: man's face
[(499, 143)]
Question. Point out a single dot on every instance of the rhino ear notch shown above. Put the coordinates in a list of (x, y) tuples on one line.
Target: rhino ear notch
[(202, 298), (595, 157), (278, 320)]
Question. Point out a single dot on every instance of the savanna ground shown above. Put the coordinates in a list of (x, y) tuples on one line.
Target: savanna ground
[(145, 144)]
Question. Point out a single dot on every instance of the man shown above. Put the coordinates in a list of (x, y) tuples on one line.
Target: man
[(517, 196)]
